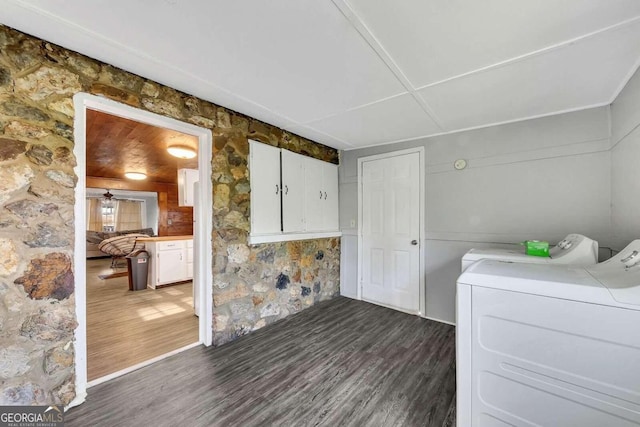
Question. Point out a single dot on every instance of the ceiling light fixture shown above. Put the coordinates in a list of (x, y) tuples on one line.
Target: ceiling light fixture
[(182, 151), (107, 200), (138, 176)]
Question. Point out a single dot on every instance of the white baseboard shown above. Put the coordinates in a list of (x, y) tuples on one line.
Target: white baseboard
[(439, 320)]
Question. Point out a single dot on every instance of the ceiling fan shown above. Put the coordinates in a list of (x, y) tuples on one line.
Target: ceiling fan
[(107, 199)]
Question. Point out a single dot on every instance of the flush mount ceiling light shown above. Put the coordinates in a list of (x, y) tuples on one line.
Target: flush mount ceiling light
[(182, 151), (135, 175)]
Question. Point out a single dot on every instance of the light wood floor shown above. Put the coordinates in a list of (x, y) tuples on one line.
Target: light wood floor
[(125, 328), (339, 363)]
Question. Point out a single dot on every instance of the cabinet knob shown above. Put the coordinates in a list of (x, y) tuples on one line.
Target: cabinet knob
[(277, 188), (414, 242), (286, 189), (320, 195), (325, 195)]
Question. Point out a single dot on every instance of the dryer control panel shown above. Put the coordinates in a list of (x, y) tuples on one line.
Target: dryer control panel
[(631, 260), (621, 274), (575, 248)]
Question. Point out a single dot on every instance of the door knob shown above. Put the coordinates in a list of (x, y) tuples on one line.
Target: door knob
[(414, 242)]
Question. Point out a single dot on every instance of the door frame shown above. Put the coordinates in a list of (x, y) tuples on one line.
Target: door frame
[(83, 102), (422, 233)]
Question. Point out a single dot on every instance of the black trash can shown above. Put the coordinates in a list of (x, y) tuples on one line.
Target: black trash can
[(138, 266)]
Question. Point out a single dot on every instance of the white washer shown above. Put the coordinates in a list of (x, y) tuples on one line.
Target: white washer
[(549, 345), (574, 249)]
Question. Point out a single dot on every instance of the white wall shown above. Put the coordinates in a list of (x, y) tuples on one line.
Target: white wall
[(625, 164), (541, 179)]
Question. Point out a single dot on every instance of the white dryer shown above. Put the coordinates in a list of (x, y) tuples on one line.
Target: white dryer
[(549, 345), (573, 249)]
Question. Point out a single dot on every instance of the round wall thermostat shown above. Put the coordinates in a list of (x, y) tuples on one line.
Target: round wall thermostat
[(460, 164)]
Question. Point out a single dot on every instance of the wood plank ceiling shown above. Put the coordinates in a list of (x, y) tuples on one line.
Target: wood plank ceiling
[(116, 145)]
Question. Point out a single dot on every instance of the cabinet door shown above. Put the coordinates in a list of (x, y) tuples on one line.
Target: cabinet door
[(314, 194), (292, 192), (172, 266), (264, 168), (330, 210)]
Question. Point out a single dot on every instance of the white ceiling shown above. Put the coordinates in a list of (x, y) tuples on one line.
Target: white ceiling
[(355, 73)]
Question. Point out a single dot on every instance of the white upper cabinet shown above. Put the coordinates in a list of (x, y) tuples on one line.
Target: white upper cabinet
[(292, 192), (293, 197), (314, 194), (264, 170), (331, 219), (186, 180), (321, 191)]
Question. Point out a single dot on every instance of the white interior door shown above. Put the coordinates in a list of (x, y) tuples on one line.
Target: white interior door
[(390, 230)]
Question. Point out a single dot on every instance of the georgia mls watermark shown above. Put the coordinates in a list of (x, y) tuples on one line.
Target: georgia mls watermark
[(31, 416)]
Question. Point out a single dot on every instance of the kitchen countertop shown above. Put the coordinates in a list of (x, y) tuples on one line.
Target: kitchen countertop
[(163, 238)]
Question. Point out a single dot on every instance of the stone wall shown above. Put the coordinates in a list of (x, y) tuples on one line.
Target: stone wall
[(253, 286)]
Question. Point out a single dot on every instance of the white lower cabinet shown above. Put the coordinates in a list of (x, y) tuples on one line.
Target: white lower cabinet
[(170, 261), (171, 266)]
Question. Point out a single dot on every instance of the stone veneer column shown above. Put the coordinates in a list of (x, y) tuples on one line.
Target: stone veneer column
[(253, 286)]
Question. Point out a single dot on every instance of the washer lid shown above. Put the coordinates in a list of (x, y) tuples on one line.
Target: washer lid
[(573, 249), (503, 254), (552, 280)]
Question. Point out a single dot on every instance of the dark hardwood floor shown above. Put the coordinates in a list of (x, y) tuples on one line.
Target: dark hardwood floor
[(339, 363)]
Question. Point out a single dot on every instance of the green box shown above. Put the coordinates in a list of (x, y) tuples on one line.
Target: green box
[(536, 248)]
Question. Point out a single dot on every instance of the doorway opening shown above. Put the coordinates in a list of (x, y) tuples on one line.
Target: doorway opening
[(125, 324)]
